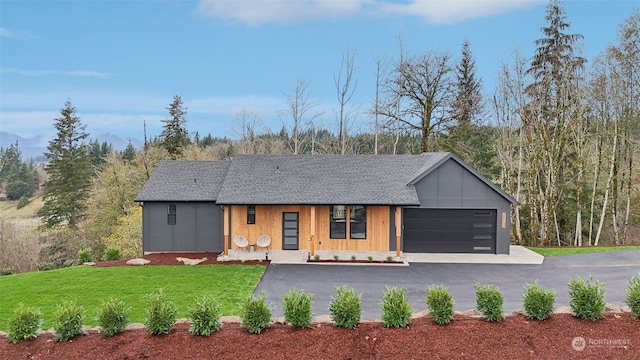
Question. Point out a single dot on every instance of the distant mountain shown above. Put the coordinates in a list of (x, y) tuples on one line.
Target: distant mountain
[(36, 146)]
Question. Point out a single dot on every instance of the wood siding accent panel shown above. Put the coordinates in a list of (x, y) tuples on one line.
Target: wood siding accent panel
[(269, 222)]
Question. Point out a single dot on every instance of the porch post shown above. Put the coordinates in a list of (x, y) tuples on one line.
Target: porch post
[(313, 231), (398, 229), (225, 220)]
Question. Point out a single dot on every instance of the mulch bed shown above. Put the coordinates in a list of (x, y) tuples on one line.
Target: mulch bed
[(562, 336), (170, 259)]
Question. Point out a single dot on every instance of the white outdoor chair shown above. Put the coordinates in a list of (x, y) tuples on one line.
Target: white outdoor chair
[(263, 242), (241, 243)]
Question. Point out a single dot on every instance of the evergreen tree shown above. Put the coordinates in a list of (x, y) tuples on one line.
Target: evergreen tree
[(175, 136), (467, 136), (129, 153), (17, 176), (69, 171)]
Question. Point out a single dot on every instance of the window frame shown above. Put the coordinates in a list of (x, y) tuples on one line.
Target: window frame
[(337, 221), (172, 214), (339, 225), (353, 220), (251, 215)]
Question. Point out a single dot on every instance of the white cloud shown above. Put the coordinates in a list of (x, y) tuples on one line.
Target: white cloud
[(83, 73), (255, 12), (452, 11), (21, 35)]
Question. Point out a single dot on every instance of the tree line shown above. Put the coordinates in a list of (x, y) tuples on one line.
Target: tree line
[(559, 133)]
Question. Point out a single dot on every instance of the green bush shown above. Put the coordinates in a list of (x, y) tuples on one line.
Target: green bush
[(396, 311), (46, 266), (112, 253), (205, 316), (345, 308), (489, 302), (161, 313), (84, 256), (633, 296), (353, 258), (6, 271), (296, 306), (370, 258), (440, 304), (586, 298), (255, 315), (113, 317), (538, 302), (24, 201), (389, 259), (69, 263), (68, 320), (24, 324), (335, 257)]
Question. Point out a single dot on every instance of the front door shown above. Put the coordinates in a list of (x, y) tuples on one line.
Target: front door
[(290, 231)]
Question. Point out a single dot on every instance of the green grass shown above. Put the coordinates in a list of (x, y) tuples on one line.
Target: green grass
[(559, 251), (229, 285)]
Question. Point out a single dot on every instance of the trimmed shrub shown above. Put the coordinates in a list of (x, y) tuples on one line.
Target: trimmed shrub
[(84, 256), (255, 315), (24, 324), (538, 302), (161, 313), (633, 296), (296, 306), (24, 201), (396, 311), (113, 317), (6, 271), (205, 316), (586, 298), (489, 302), (112, 253), (440, 304), (46, 266), (346, 308), (68, 320)]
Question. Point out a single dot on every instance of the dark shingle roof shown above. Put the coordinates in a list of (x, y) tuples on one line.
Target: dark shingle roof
[(185, 181), (299, 179), (324, 179)]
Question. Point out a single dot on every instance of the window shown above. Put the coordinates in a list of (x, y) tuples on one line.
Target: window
[(338, 222), (358, 222), (251, 214), (171, 215), (356, 227)]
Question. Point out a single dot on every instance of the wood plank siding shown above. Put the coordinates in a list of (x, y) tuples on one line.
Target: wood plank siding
[(269, 221)]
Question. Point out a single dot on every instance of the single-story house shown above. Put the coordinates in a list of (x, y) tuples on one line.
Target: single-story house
[(432, 202)]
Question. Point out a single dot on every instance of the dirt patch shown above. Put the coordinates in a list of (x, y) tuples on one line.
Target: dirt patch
[(171, 259), (560, 337)]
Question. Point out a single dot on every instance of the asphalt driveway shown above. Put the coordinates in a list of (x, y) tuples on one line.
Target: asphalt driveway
[(612, 268)]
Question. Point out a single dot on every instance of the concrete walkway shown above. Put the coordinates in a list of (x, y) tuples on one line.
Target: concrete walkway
[(518, 255)]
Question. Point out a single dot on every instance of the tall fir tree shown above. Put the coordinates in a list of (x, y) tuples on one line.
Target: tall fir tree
[(174, 136), (17, 176), (467, 136), (69, 170)]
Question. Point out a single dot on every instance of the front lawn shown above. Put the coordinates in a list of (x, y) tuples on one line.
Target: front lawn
[(558, 251), (231, 285)]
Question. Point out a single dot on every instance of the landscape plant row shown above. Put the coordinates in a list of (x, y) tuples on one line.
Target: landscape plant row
[(586, 302)]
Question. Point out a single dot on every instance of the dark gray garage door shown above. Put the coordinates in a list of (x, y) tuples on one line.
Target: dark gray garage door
[(449, 231)]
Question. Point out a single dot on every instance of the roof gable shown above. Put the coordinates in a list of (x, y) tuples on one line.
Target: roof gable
[(429, 167)]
